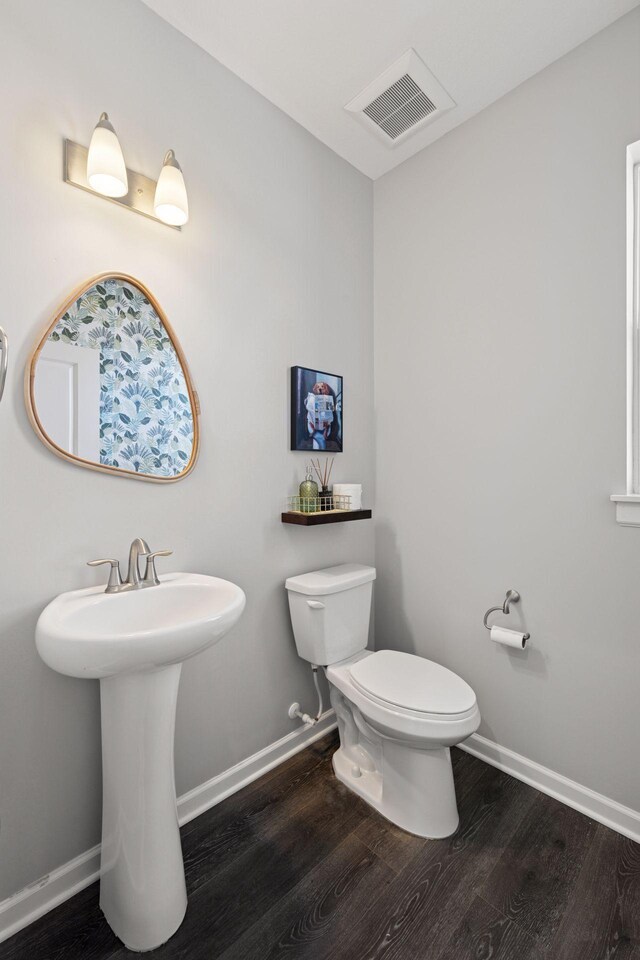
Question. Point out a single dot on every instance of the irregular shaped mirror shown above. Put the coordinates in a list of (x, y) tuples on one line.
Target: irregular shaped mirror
[(108, 386)]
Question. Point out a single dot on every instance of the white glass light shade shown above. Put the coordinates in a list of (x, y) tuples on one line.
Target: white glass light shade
[(106, 170), (171, 204)]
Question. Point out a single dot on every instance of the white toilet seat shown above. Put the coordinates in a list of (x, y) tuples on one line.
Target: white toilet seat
[(422, 729), (399, 711), (413, 685)]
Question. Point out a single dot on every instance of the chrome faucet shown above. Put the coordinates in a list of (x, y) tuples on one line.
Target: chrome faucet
[(139, 548)]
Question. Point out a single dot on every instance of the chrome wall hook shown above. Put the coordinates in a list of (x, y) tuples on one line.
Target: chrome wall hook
[(512, 596)]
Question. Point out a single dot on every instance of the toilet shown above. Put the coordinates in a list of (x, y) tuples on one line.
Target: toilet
[(398, 714)]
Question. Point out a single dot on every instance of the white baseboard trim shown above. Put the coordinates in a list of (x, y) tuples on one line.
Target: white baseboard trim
[(196, 801), (595, 805), (38, 898), (21, 909)]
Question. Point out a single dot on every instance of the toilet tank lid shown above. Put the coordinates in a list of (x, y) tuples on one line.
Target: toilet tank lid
[(331, 580)]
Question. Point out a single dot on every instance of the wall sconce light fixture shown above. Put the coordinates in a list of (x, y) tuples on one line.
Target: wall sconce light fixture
[(106, 170), (101, 170), (171, 203)]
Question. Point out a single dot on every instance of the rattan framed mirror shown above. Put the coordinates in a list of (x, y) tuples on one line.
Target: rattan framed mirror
[(107, 386)]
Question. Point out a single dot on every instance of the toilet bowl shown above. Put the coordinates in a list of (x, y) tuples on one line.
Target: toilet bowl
[(398, 714)]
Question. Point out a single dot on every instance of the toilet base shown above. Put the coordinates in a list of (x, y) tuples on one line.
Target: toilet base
[(409, 784), (414, 790)]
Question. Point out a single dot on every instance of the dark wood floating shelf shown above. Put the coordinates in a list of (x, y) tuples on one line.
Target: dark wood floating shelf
[(313, 519)]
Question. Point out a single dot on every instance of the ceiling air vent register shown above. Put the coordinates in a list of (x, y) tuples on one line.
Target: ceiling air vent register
[(401, 101), (400, 107)]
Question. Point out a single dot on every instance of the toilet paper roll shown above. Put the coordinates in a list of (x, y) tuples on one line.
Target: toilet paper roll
[(509, 638), (353, 490)]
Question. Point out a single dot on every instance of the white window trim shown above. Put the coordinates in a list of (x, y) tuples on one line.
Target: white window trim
[(628, 505)]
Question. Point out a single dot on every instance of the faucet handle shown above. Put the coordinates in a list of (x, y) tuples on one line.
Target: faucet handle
[(150, 575), (115, 580)]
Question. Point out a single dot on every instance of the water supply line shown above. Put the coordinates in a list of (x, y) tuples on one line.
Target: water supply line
[(294, 709)]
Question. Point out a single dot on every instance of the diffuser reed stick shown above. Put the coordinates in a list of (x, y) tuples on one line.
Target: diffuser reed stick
[(323, 472), (330, 469)]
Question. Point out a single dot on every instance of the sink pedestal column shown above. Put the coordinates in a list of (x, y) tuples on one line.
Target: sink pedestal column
[(142, 888)]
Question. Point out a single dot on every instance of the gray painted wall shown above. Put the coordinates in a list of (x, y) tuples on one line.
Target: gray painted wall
[(273, 269), (500, 400)]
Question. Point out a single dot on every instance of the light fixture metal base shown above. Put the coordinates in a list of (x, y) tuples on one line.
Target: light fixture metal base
[(141, 189)]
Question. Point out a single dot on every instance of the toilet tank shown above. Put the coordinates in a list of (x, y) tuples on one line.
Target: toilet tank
[(330, 611)]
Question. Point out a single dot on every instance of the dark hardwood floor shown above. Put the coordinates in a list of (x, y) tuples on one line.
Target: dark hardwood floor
[(295, 866)]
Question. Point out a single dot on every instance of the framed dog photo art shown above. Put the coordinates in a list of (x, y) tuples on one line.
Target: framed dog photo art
[(316, 410)]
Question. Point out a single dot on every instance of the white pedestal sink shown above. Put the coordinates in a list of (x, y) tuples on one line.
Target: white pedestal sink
[(134, 643)]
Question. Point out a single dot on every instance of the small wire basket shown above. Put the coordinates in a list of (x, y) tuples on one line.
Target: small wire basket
[(319, 504)]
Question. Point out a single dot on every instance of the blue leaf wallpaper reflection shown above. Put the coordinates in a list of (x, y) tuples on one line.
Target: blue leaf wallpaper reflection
[(146, 421)]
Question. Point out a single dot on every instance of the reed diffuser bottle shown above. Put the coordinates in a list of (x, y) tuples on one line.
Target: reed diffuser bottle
[(323, 473)]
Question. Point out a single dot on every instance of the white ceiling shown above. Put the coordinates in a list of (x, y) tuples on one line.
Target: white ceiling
[(310, 57)]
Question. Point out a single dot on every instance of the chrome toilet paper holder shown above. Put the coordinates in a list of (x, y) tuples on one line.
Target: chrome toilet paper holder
[(512, 597)]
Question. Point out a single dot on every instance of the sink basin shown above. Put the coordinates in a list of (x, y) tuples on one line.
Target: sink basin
[(92, 634), (134, 643)]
